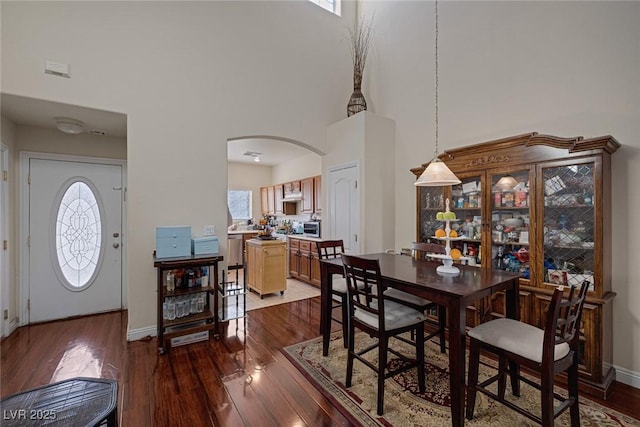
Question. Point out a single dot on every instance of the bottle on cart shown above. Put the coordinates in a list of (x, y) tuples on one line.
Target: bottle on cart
[(171, 284)]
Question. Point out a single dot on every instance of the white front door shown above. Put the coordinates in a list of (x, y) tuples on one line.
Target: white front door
[(344, 206), (75, 229)]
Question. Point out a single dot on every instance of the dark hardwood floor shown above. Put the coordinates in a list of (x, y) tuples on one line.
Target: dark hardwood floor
[(186, 387)]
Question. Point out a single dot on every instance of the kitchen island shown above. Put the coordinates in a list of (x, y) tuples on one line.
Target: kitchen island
[(266, 266)]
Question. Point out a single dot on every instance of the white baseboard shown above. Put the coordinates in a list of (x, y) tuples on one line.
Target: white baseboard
[(627, 377), (138, 334)]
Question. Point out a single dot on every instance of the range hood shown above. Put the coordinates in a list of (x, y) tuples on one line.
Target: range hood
[(292, 197)]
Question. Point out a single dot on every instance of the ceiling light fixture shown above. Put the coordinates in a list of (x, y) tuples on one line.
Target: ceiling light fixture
[(254, 154), (69, 126), (437, 174)]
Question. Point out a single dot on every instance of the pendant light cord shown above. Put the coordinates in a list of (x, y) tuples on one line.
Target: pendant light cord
[(436, 55)]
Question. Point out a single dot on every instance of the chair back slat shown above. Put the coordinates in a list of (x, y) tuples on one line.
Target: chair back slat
[(421, 249), (563, 319), (364, 284), (329, 249)]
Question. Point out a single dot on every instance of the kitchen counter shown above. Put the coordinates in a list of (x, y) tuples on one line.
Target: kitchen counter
[(303, 237), (243, 232)]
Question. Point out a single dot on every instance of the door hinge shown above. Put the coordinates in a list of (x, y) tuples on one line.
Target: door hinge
[(356, 183), (29, 241), (355, 236), (5, 176), (5, 314), (5, 244), (29, 179)]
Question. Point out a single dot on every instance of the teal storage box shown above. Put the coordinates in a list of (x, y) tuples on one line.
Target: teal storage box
[(173, 242), (205, 245)]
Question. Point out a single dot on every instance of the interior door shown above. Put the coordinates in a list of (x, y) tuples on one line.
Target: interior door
[(75, 254), (344, 207)]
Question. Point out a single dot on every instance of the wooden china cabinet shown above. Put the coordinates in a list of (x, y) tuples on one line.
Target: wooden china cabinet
[(539, 205)]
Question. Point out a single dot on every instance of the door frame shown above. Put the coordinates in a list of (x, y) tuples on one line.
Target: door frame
[(23, 191), (4, 236)]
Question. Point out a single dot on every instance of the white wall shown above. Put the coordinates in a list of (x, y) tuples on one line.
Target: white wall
[(302, 167), (188, 76), (507, 68)]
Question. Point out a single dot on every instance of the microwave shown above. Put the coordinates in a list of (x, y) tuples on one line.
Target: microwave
[(311, 228)]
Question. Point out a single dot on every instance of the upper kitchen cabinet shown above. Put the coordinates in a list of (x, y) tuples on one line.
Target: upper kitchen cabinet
[(317, 194), (539, 205), (264, 201), (307, 195)]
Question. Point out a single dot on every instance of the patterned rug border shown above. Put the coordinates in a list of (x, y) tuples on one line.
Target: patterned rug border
[(359, 416)]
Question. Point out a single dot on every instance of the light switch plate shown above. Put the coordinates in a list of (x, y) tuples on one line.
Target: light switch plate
[(209, 230)]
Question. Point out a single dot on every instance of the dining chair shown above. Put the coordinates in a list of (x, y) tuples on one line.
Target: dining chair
[(329, 249), (421, 304), (548, 351), (380, 319)]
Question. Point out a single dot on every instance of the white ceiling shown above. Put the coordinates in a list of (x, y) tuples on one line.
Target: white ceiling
[(273, 151), (41, 113)]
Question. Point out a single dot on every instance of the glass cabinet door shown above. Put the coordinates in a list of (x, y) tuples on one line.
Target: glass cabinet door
[(431, 201), (511, 221), (569, 218), (466, 202)]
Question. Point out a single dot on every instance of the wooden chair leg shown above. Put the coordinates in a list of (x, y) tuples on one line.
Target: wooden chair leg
[(345, 321), (502, 381), (382, 366), (351, 345), (546, 398), (420, 357), (572, 378), (474, 363), (442, 324)]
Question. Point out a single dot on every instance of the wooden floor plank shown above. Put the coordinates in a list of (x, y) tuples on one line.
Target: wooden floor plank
[(202, 384)]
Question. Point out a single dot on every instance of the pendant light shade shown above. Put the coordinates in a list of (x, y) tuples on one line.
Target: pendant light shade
[(437, 174)]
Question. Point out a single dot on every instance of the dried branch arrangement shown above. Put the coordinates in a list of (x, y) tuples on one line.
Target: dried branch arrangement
[(360, 39)]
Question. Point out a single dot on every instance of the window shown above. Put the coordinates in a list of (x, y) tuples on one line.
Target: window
[(239, 202), (78, 235), (330, 5)]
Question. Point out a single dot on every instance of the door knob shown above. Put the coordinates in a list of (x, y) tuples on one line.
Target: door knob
[(116, 234), (116, 245)]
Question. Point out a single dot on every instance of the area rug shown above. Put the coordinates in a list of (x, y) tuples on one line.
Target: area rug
[(405, 406)]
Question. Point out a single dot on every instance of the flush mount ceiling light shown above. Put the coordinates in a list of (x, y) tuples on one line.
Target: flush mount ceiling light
[(437, 174), (255, 155), (69, 126)]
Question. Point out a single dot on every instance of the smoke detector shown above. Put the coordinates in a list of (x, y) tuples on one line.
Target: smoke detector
[(69, 126)]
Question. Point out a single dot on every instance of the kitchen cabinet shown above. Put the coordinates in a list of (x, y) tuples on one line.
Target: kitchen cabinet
[(539, 205), (266, 266), (317, 194), (278, 195), (304, 262), (306, 206), (271, 201), (264, 201), (185, 309)]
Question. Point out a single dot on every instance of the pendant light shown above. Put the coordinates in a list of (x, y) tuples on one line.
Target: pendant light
[(437, 174)]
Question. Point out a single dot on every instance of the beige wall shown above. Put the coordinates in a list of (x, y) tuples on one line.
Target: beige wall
[(42, 140), (507, 68), (243, 176), (188, 76), (302, 167)]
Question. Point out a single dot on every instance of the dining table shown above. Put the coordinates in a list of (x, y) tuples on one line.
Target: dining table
[(453, 291)]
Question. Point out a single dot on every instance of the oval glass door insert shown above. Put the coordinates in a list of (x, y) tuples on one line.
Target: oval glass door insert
[(78, 235)]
